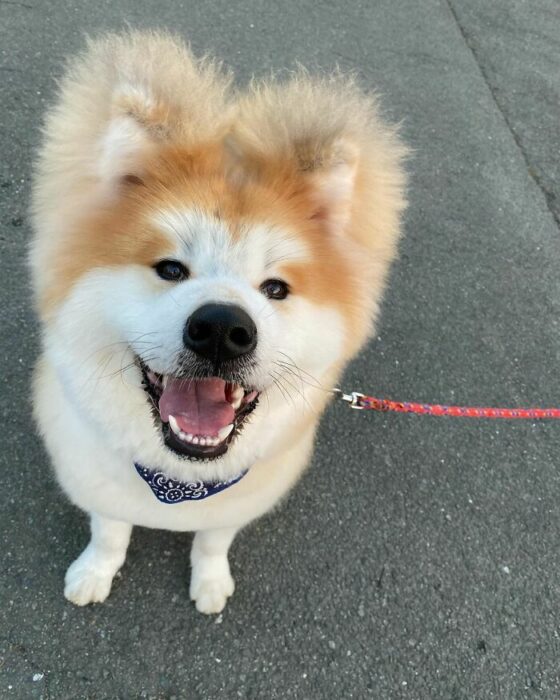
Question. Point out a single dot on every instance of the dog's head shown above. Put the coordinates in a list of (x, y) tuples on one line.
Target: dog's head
[(196, 285)]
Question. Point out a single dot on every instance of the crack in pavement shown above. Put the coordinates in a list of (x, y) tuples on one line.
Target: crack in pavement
[(548, 196)]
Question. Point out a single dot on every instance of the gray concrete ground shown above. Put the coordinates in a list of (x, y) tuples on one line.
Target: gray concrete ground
[(419, 558)]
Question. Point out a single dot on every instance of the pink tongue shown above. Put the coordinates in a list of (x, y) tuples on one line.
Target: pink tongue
[(199, 406)]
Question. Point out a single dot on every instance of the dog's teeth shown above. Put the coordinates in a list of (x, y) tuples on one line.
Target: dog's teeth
[(174, 426), (237, 397), (224, 432), (164, 380), (202, 440)]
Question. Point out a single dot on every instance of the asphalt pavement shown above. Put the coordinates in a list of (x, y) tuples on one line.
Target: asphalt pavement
[(419, 557)]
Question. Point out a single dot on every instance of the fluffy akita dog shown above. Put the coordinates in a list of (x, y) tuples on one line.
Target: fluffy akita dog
[(205, 264)]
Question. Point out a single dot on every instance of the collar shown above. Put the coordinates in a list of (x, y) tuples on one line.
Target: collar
[(168, 490)]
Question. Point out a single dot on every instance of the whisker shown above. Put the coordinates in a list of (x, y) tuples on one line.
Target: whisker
[(296, 373), (317, 384), (280, 388), (298, 391)]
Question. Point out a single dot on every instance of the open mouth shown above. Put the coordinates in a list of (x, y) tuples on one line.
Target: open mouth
[(199, 417)]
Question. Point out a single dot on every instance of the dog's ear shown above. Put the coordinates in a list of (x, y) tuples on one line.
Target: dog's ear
[(330, 178), (127, 95), (308, 134), (138, 124)]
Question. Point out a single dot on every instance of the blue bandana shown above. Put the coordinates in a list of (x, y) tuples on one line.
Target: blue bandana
[(168, 490)]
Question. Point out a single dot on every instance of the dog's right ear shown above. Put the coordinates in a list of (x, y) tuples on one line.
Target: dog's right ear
[(138, 124), (129, 94)]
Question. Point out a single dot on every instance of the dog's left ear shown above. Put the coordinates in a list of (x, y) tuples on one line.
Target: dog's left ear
[(329, 179), (306, 136)]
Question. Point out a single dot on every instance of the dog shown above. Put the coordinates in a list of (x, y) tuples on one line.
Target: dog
[(206, 261)]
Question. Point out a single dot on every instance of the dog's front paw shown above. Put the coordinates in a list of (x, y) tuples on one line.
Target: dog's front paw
[(86, 583), (210, 593)]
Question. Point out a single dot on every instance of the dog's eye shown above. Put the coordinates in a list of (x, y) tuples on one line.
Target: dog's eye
[(171, 270), (275, 289)]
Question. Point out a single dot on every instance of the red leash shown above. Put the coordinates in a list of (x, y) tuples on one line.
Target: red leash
[(360, 402)]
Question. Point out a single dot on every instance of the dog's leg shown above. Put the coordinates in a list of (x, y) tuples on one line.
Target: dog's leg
[(89, 578), (211, 581)]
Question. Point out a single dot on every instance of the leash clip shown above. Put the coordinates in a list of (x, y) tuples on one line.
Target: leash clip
[(352, 399)]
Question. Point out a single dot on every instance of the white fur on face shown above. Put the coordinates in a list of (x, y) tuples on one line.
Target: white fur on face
[(115, 313), (210, 249)]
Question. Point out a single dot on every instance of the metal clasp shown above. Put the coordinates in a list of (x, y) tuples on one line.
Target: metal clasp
[(352, 399)]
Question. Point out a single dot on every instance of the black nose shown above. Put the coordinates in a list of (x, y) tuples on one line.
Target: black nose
[(220, 332)]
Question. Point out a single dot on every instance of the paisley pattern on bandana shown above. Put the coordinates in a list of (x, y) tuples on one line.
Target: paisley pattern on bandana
[(168, 490)]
